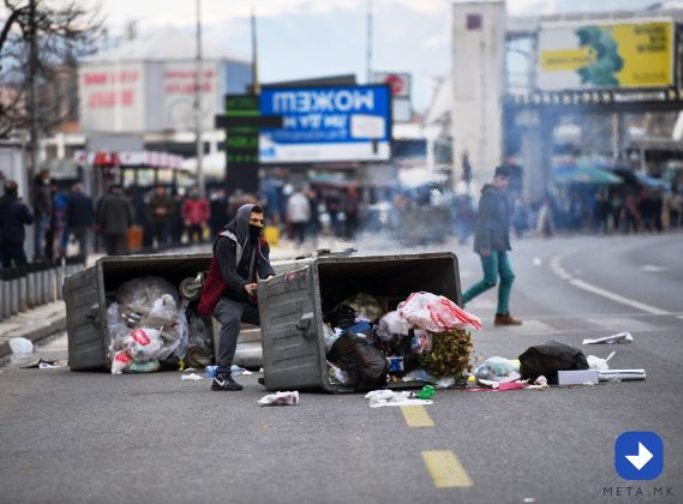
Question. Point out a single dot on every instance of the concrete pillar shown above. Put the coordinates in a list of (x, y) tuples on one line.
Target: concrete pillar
[(477, 75)]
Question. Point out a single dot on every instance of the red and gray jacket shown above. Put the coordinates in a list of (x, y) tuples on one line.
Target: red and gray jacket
[(231, 269)]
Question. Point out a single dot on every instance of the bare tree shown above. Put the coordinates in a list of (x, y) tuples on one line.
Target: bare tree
[(65, 32)]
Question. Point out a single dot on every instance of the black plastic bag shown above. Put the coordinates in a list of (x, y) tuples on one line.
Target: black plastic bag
[(342, 316), (364, 364), (548, 359)]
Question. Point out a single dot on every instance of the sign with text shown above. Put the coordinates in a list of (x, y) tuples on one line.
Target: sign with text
[(326, 124), (606, 55)]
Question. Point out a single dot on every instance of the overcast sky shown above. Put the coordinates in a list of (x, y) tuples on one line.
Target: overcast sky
[(310, 38)]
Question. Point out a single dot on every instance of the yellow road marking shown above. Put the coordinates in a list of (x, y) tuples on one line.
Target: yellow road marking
[(417, 416), (445, 469)]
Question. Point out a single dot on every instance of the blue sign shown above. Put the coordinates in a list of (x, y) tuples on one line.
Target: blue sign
[(336, 123), (639, 455)]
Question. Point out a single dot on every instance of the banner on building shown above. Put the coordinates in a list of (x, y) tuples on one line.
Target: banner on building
[(325, 124), (605, 55)]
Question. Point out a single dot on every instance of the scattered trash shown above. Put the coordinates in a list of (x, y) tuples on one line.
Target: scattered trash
[(280, 399), (191, 376), (622, 337), (618, 375), (392, 324), (44, 364), (445, 382), (427, 392), (577, 377), (365, 366), (540, 383), (500, 387), (381, 398), (419, 375), (548, 359), (436, 313), (529, 500), (598, 363), (494, 369), (510, 378), (336, 375), (150, 366), (21, 347), (537, 261)]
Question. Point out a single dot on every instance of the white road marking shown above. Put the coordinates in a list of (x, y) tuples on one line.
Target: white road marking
[(651, 268), (558, 269)]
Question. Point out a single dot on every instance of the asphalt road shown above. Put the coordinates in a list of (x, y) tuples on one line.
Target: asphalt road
[(90, 437)]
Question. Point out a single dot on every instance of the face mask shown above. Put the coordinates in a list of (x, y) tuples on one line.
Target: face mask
[(254, 233)]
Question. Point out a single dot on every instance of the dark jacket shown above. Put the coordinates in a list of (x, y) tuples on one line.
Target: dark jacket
[(236, 261), (79, 211), (115, 214), (160, 209), (14, 215), (42, 199), (492, 230)]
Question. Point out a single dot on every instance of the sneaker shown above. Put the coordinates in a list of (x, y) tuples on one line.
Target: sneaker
[(225, 383), (505, 319)]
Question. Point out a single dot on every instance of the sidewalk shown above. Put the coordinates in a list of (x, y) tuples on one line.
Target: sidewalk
[(47, 320)]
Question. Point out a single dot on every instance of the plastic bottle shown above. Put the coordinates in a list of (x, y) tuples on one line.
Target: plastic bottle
[(210, 371), (427, 392)]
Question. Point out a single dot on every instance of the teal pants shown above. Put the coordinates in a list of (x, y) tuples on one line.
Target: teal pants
[(497, 264)]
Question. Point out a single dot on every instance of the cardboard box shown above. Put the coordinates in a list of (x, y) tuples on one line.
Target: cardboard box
[(578, 377)]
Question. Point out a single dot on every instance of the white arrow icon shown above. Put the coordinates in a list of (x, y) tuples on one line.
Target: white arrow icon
[(644, 456)]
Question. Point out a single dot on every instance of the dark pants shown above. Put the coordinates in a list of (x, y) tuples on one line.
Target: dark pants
[(230, 314), (115, 244), (195, 233), (13, 253), (299, 230), (160, 233)]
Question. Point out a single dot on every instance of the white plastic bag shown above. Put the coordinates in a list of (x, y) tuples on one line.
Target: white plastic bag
[(21, 347), (436, 313), (280, 399), (392, 324), (120, 362), (144, 344)]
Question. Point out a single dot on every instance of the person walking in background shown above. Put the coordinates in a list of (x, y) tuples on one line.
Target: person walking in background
[(114, 218), (79, 218), (14, 215), (299, 214), (42, 209), (492, 243), (351, 211), (58, 237), (159, 211), (195, 215)]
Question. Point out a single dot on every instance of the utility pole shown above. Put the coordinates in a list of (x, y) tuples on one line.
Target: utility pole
[(256, 87), (33, 87), (198, 102), (368, 76)]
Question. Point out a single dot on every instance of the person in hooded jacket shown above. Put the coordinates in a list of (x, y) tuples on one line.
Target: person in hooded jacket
[(240, 259), (492, 243), (14, 215)]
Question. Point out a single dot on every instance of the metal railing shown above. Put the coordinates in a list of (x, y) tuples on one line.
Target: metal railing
[(26, 287)]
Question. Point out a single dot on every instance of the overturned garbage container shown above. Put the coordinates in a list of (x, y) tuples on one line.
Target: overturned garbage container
[(87, 294), (292, 306)]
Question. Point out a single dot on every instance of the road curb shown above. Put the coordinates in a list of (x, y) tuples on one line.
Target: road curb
[(36, 333)]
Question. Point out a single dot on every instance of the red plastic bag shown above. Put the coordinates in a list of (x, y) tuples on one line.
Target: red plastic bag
[(436, 313)]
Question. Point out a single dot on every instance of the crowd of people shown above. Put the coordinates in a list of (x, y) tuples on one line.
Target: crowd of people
[(70, 221)]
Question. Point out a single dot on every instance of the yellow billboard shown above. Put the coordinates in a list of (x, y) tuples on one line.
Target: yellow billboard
[(601, 55)]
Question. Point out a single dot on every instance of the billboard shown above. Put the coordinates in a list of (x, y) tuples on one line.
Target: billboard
[(605, 55), (326, 124), (400, 82)]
